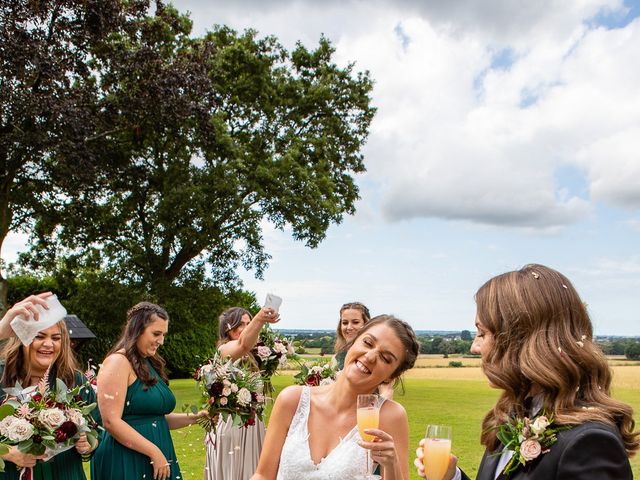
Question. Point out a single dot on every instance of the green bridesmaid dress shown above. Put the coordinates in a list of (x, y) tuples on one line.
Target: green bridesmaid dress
[(144, 411), (66, 465)]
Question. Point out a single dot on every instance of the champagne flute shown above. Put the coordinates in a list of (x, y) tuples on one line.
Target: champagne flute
[(368, 416), (437, 450)]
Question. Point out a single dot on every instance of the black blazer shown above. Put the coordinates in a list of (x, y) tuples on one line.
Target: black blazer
[(591, 451)]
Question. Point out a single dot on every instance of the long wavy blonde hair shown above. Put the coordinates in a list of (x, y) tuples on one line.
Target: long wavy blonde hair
[(17, 368), (543, 338)]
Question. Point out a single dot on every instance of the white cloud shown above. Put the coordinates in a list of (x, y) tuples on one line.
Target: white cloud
[(479, 103)]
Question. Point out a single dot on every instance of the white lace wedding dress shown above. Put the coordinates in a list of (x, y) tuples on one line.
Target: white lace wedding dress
[(346, 460)]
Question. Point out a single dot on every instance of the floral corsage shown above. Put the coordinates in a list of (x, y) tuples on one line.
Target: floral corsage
[(527, 438)]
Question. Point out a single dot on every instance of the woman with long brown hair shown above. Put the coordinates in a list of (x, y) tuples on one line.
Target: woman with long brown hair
[(536, 342), (50, 351), (238, 334), (312, 430), (136, 404), (353, 317)]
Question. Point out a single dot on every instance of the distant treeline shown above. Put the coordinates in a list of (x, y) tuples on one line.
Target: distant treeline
[(450, 343)]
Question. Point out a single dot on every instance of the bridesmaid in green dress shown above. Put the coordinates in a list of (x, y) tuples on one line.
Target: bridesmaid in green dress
[(136, 404), (27, 365)]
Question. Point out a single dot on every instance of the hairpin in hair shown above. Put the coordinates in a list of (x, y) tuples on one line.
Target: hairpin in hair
[(140, 307), (565, 287), (535, 275)]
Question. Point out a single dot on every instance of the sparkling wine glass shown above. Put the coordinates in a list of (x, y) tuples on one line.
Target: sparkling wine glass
[(368, 416), (437, 450)]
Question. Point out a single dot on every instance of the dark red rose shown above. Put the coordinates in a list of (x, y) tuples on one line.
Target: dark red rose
[(36, 439), (50, 403), (250, 422), (313, 380), (65, 431), (37, 397), (216, 389), (196, 374), (254, 397)]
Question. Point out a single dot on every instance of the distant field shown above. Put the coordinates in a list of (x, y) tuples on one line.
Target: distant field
[(456, 396)]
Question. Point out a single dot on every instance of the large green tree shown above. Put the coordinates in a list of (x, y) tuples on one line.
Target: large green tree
[(49, 122), (206, 139)]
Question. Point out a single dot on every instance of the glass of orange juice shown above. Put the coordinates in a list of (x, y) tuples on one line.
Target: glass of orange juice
[(368, 416), (437, 450)]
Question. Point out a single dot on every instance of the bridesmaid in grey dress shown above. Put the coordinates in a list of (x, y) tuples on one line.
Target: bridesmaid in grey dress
[(232, 453)]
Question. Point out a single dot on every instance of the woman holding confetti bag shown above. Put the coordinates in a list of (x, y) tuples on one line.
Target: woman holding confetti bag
[(233, 452), (50, 351)]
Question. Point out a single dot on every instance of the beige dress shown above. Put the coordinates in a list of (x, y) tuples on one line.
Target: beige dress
[(233, 452)]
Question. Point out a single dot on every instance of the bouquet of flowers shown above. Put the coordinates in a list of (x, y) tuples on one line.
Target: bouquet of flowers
[(527, 438), (229, 388), (42, 421), (320, 372), (271, 352)]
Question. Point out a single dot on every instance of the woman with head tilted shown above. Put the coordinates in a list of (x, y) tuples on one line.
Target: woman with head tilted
[(238, 334), (50, 350), (312, 430), (536, 342), (136, 403)]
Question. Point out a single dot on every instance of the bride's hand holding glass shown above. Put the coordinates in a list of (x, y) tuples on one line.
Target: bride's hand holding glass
[(382, 448)]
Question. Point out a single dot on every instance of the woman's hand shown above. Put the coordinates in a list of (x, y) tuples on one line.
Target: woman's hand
[(267, 315), (419, 463), (82, 444), (383, 449), (20, 459), (161, 468), (27, 307)]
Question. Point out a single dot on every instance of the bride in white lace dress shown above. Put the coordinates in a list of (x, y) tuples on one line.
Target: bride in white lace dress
[(312, 431)]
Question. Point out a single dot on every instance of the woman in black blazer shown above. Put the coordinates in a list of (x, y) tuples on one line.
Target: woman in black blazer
[(535, 339)]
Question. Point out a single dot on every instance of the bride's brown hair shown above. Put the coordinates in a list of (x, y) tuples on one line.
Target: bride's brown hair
[(543, 337)]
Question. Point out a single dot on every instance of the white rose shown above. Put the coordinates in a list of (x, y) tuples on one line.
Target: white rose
[(280, 348), (244, 397), (226, 391), (539, 425), (76, 417), (264, 352), (316, 369), (19, 430), (223, 401), (52, 418), (234, 388), (226, 383), (6, 423), (530, 450)]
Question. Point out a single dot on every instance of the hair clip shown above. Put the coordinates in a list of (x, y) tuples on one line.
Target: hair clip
[(535, 275), (565, 287)]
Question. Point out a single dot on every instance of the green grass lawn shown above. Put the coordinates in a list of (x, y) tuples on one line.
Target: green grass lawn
[(460, 403)]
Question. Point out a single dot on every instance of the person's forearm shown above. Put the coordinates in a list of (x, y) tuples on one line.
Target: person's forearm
[(129, 437), (5, 328), (249, 336), (180, 420)]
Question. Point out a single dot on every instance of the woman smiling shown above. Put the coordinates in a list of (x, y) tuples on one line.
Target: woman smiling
[(50, 350)]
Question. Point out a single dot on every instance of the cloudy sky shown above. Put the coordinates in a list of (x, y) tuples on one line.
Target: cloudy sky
[(507, 132)]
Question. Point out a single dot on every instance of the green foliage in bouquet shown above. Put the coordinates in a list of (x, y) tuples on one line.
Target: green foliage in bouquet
[(229, 389), (43, 421), (320, 372)]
